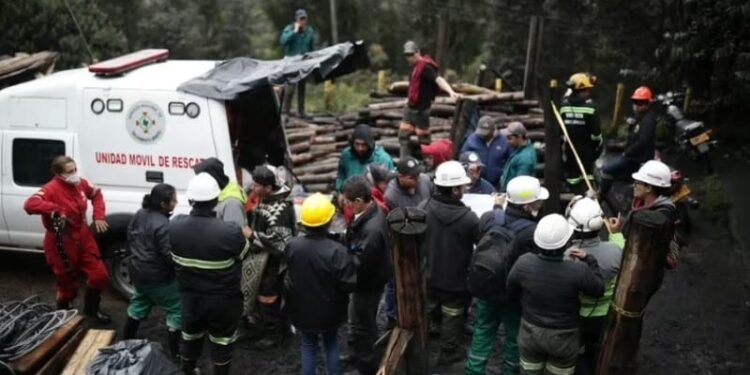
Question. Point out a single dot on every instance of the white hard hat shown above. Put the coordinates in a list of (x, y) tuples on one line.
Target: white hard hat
[(451, 174), (553, 232), (654, 173), (525, 189), (202, 188), (585, 214)]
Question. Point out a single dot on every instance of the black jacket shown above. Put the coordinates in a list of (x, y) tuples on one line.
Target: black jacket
[(368, 236), (321, 274), (150, 259), (583, 125), (549, 288), (524, 240), (641, 143), (452, 231), (208, 253)]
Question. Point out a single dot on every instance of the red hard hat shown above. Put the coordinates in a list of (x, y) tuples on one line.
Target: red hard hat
[(642, 93)]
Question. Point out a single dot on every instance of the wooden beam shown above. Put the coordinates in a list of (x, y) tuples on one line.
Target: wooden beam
[(29, 363), (94, 340), (56, 364)]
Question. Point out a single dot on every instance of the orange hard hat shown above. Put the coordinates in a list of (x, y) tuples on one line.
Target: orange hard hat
[(642, 93)]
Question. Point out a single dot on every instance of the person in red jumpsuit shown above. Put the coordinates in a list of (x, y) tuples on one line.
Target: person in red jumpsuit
[(65, 197)]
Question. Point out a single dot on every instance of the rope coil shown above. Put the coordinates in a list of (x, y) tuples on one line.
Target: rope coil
[(24, 325)]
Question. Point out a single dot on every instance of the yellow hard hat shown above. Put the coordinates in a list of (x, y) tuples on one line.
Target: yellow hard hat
[(580, 81), (317, 210)]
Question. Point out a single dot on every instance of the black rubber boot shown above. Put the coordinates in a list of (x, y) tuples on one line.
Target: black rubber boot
[(63, 305), (91, 301), (173, 340), (189, 366), (273, 327), (131, 328), (222, 369)]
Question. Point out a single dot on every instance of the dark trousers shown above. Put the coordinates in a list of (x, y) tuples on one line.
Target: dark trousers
[(216, 315), (365, 330), (620, 167), (592, 330), (286, 104), (269, 296), (449, 308)]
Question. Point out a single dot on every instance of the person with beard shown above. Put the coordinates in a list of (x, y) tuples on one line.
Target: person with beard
[(362, 151), (491, 146), (273, 224), (232, 199)]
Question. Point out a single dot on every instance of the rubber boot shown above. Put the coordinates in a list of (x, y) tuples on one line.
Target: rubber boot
[(273, 326), (91, 301), (173, 340), (222, 369), (131, 328), (189, 366), (63, 305), (451, 350)]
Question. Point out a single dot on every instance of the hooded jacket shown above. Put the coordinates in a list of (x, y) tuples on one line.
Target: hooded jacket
[(452, 231), (368, 236), (148, 239), (351, 164), (321, 274), (493, 155), (440, 151)]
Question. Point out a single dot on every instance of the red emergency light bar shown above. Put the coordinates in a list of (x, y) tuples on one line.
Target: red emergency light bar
[(129, 62)]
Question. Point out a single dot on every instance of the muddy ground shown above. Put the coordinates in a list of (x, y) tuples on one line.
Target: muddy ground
[(698, 323)]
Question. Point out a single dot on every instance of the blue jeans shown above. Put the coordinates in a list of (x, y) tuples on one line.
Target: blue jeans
[(310, 352), (390, 300)]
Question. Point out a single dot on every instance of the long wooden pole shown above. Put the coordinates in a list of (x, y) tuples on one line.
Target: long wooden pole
[(552, 152)]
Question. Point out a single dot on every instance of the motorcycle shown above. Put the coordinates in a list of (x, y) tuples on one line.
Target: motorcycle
[(686, 136)]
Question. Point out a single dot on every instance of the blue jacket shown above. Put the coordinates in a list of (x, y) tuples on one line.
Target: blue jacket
[(493, 156), (522, 163), (482, 187)]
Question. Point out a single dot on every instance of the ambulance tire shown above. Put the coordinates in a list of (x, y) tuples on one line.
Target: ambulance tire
[(119, 275)]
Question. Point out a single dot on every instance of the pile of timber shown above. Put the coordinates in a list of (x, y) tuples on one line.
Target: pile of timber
[(40, 63), (316, 143)]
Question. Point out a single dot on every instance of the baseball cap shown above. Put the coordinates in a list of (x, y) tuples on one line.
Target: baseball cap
[(300, 13), (514, 128), (409, 166), (380, 173), (485, 126), (410, 47), (263, 175), (470, 157)]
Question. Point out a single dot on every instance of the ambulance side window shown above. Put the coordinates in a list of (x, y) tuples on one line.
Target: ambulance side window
[(32, 159)]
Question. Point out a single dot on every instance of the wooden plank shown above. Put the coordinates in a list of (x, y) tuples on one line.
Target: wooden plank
[(55, 364), (34, 360), (94, 340)]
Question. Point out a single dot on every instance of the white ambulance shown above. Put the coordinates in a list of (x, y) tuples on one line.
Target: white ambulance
[(127, 127)]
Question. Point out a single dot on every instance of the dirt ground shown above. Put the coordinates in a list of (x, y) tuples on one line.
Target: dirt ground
[(698, 323)]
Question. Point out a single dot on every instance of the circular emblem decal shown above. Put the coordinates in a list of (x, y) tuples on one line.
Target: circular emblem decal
[(145, 122)]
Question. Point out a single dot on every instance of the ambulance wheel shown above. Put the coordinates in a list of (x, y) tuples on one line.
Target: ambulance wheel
[(119, 275)]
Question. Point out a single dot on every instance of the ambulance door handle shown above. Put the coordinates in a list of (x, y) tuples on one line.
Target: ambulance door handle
[(154, 176)]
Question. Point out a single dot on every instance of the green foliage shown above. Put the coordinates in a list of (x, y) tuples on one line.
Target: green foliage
[(350, 93)]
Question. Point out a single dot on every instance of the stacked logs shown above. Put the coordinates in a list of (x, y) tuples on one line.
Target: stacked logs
[(316, 143)]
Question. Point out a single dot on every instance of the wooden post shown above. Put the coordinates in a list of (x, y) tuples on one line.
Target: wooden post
[(499, 84), (328, 95), (552, 151), (618, 108), (382, 81), (409, 339), (688, 98), (461, 118), (641, 275), (532, 57)]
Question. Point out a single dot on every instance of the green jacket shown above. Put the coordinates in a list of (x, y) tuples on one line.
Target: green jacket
[(522, 162), (350, 165), (297, 43)]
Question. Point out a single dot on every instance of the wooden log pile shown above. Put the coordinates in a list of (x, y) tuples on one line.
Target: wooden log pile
[(316, 143)]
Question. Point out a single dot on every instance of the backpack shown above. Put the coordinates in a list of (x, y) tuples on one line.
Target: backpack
[(492, 261)]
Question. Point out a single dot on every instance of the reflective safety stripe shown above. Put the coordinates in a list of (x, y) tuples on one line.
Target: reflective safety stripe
[(596, 137), (579, 179), (203, 264), (223, 340), (552, 369), (531, 366), (452, 311), (191, 337), (243, 254), (597, 307), (582, 110)]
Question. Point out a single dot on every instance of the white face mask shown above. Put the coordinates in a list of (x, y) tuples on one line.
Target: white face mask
[(72, 179)]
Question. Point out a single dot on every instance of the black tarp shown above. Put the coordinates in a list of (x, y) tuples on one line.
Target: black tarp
[(232, 77)]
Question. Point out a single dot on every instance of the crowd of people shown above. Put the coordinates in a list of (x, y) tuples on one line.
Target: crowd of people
[(241, 266)]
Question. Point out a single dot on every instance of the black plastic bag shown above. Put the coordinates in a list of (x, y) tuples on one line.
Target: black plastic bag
[(132, 357)]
